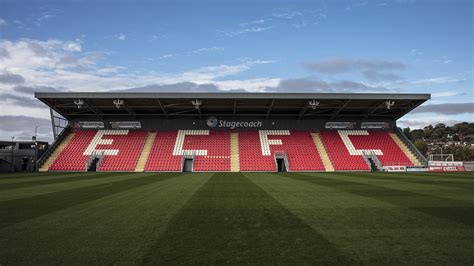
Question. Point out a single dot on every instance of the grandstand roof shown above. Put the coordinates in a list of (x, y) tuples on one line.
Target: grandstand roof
[(136, 105)]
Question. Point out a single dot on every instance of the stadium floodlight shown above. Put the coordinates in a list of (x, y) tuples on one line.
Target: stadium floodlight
[(196, 103), (313, 104), (118, 103), (79, 103), (389, 104)]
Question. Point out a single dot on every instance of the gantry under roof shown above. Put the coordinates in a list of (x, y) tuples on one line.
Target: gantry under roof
[(136, 105)]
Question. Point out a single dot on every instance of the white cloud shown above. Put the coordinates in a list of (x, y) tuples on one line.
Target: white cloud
[(445, 93), (45, 15), (165, 56), (435, 80), (444, 60), (206, 49), (72, 46), (240, 31), (415, 123), (111, 70), (427, 82), (254, 22), (121, 36), (278, 18), (287, 14), (43, 63), (250, 85), (3, 22)]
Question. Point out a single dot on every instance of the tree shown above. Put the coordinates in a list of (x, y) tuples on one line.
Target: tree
[(460, 153), (421, 146), (417, 134), (428, 130), (407, 133)]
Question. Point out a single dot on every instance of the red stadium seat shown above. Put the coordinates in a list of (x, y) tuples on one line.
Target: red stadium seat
[(211, 150), (345, 149), (72, 157), (121, 149), (256, 155)]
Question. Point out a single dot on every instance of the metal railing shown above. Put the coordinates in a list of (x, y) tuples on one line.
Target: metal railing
[(411, 146), (371, 154), (282, 155), (92, 157), (53, 147)]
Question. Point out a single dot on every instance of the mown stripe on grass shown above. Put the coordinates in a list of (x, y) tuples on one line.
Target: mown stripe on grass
[(445, 208), (374, 232), (460, 195), (25, 175), (26, 192), (42, 176), (67, 178), (18, 210), (431, 180), (232, 220), (114, 230)]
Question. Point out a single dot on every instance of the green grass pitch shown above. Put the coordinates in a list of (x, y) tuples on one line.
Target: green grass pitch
[(217, 218)]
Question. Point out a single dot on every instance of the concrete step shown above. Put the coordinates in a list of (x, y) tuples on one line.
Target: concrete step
[(140, 167), (322, 152), (234, 152), (45, 167), (405, 149)]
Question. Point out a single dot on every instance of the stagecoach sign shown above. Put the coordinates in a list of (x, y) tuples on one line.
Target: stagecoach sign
[(214, 122)]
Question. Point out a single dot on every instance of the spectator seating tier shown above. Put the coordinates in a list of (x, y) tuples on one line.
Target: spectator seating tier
[(120, 150), (210, 150), (346, 148), (258, 148)]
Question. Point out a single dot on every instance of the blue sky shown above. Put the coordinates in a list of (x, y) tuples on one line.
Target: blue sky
[(322, 46)]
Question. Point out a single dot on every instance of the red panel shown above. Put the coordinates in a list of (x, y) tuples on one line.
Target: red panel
[(340, 157), (379, 140), (299, 148), (129, 146), (161, 155), (72, 158), (392, 154), (217, 144)]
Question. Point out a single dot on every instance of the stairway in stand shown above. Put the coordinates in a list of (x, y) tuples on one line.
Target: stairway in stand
[(405, 149), (145, 152), (234, 152), (322, 152), (55, 154)]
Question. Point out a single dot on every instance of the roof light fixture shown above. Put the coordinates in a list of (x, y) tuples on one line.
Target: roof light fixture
[(197, 103), (313, 104), (389, 104), (79, 103), (118, 103)]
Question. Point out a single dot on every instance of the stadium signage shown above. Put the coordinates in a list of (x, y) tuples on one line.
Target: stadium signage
[(214, 122), (441, 166)]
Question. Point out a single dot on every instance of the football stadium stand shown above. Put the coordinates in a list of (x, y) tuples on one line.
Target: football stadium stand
[(126, 133)]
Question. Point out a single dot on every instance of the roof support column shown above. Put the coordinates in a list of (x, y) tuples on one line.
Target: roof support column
[(270, 109), (162, 108)]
